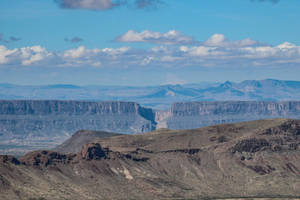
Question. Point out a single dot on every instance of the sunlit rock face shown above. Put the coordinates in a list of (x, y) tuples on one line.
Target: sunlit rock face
[(188, 115)]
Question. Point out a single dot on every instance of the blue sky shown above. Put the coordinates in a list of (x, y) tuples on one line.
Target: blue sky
[(170, 41)]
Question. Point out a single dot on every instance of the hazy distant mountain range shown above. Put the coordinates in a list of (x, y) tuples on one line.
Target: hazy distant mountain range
[(160, 97)]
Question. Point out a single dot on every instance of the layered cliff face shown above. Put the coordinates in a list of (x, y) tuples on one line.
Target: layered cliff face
[(190, 115), (44, 124), (47, 123)]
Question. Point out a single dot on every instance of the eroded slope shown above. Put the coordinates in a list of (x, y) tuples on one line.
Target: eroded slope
[(251, 159)]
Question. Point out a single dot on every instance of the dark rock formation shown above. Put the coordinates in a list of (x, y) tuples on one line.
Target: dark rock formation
[(45, 158), (292, 129), (9, 159), (92, 151), (251, 145), (262, 170), (284, 137)]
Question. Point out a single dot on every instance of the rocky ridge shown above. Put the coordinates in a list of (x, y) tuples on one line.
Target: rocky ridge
[(257, 159)]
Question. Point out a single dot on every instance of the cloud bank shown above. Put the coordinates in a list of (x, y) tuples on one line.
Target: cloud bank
[(174, 37), (171, 49)]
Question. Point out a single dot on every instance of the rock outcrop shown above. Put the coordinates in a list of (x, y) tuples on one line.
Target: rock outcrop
[(93, 151), (45, 158), (9, 159)]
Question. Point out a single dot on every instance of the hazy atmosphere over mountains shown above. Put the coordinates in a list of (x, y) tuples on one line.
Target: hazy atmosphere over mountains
[(161, 97)]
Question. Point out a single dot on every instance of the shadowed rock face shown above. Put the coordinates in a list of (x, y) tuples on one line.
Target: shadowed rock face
[(251, 145), (292, 129), (44, 124), (45, 158), (225, 161), (92, 151), (9, 159)]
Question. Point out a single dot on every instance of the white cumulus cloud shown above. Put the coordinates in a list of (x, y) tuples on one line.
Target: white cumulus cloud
[(219, 40), (34, 54), (24, 55), (6, 54), (171, 37)]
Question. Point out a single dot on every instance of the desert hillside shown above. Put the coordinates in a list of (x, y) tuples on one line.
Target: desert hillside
[(257, 159)]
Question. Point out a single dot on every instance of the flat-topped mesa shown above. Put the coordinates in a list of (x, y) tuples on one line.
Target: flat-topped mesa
[(188, 115), (235, 107), (55, 121), (54, 107)]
